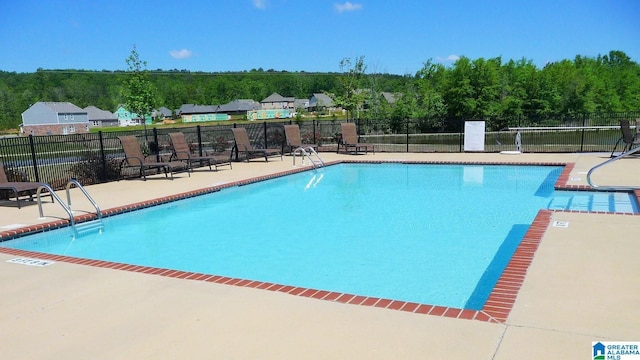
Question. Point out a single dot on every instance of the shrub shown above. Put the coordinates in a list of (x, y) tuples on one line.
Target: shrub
[(90, 169), (307, 138)]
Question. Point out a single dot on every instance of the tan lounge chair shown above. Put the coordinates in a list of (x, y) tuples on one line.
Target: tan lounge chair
[(135, 158), (19, 188), (628, 138), (349, 139), (181, 152), (294, 140), (244, 145)]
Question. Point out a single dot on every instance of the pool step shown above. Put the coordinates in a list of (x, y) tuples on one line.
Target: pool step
[(605, 202), (559, 203), (88, 227)]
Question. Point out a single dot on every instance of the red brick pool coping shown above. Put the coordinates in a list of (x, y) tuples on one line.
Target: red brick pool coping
[(496, 309)]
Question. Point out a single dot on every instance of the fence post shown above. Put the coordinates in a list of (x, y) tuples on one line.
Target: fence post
[(407, 128), (199, 139), (460, 143), (103, 176), (582, 133), (313, 126), (265, 134), (33, 158), (155, 139), (235, 146)]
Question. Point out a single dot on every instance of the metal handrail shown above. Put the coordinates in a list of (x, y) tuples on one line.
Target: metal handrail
[(314, 152), (308, 156), (55, 196), (612, 188), (75, 182)]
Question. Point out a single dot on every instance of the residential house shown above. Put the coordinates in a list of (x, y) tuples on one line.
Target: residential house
[(321, 101), (301, 104), (239, 107), (54, 118), (277, 101), (198, 113), (127, 118), (162, 113), (390, 98), (100, 118), (269, 114)]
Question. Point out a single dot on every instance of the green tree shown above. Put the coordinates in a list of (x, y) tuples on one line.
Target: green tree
[(403, 110), (459, 93), (431, 107), (348, 96), (138, 92), (619, 78), (485, 80)]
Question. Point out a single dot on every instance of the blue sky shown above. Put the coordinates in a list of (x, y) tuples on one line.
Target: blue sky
[(235, 35)]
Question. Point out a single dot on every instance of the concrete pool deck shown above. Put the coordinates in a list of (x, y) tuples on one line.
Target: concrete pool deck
[(582, 286)]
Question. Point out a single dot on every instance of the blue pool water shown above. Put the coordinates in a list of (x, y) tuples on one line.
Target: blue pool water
[(433, 234)]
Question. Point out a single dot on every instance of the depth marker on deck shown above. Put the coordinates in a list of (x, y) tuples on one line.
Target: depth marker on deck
[(561, 224), (30, 262)]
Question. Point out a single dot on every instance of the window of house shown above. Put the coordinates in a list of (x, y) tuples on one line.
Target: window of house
[(72, 129)]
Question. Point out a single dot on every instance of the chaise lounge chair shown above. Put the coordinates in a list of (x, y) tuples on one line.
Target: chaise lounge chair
[(135, 158), (628, 138), (181, 152), (349, 139), (243, 144), (19, 188), (294, 140)]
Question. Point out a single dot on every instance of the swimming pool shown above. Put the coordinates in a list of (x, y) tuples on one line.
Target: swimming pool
[(431, 234)]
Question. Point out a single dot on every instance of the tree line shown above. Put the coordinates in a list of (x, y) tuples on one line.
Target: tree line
[(469, 89)]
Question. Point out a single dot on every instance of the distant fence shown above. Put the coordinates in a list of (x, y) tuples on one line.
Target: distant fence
[(96, 157)]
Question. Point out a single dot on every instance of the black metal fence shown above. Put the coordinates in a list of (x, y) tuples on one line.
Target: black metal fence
[(96, 157)]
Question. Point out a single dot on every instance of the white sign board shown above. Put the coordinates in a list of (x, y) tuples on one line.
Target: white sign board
[(474, 136)]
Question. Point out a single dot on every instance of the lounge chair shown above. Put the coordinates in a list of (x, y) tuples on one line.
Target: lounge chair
[(628, 138), (244, 145), (181, 152), (19, 188), (294, 140), (349, 139), (135, 158)]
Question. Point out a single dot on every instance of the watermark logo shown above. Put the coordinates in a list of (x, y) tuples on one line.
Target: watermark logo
[(616, 350)]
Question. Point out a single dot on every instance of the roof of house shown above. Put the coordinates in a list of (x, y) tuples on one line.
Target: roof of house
[(164, 111), (275, 97), (389, 97), (301, 103), (321, 99), (239, 106), (198, 109), (62, 107), (94, 113)]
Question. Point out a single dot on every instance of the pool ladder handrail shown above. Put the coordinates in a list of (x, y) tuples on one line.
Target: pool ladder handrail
[(67, 208), (612, 188), (75, 182), (317, 162), (55, 197)]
